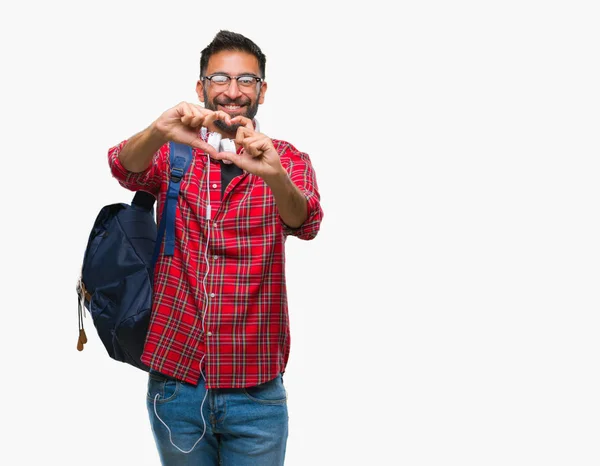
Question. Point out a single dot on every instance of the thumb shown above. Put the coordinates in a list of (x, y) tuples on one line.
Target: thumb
[(228, 157), (198, 143)]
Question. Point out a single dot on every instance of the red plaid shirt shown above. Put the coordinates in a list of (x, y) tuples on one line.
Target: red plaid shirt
[(246, 337)]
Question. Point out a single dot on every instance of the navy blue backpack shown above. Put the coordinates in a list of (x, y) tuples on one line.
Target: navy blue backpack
[(116, 276)]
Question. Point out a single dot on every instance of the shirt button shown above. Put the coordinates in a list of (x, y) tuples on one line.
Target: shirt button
[(215, 186), (209, 334), (212, 295), (215, 257)]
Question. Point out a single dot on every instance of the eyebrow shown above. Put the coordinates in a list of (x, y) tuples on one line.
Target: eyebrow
[(227, 74)]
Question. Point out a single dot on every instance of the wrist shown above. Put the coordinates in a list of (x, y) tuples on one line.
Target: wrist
[(156, 135), (278, 180)]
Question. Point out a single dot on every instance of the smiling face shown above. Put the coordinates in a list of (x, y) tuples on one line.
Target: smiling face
[(231, 97)]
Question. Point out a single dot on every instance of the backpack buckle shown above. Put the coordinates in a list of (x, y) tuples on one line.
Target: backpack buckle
[(176, 175)]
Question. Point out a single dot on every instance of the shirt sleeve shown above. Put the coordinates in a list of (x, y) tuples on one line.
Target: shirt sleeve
[(149, 180), (302, 174)]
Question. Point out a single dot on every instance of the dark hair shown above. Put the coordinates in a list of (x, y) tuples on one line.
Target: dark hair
[(227, 40)]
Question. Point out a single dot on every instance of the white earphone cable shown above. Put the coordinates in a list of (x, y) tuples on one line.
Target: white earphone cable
[(208, 228)]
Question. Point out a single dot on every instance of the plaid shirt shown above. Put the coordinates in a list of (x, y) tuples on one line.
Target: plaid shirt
[(245, 337)]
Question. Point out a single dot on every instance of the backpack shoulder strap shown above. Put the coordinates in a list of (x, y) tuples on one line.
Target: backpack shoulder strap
[(181, 156)]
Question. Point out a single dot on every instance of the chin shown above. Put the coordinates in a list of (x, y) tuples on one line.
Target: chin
[(227, 128)]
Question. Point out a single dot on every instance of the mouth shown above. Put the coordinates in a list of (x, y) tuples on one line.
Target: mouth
[(232, 109)]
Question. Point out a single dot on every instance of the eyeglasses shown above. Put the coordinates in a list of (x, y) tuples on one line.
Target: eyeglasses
[(224, 80)]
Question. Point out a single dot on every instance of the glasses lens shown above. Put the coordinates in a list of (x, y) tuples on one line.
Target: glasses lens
[(246, 81), (220, 79)]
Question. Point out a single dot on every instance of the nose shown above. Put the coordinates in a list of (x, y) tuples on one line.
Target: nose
[(233, 91)]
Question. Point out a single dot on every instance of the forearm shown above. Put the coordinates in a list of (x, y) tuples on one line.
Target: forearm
[(136, 155), (290, 201)]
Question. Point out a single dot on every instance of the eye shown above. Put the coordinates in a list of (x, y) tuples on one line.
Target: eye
[(219, 79), (246, 80)]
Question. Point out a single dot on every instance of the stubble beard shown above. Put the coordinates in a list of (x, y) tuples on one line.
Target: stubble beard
[(250, 113)]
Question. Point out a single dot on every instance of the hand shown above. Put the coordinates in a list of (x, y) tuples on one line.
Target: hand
[(258, 155), (182, 123)]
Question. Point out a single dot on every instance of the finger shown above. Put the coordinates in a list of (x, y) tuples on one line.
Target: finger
[(187, 113), (180, 108), (218, 115), (224, 116), (243, 133), (257, 145), (192, 115), (198, 118), (244, 121)]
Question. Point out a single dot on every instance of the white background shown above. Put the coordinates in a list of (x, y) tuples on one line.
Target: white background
[(447, 313)]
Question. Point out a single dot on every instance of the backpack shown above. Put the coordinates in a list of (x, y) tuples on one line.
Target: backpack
[(115, 285)]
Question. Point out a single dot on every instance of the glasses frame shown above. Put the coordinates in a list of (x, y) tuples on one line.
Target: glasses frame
[(230, 78)]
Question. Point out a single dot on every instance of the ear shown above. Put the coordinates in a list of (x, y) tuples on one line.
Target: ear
[(200, 90), (263, 91)]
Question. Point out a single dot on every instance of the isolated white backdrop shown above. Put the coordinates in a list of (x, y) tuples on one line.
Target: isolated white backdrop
[(447, 313)]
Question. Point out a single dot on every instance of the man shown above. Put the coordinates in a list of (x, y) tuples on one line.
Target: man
[(218, 341)]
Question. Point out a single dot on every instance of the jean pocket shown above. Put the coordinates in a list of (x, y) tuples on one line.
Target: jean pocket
[(269, 393), (161, 388)]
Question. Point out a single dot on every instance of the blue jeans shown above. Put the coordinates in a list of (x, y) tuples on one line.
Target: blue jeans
[(236, 427)]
